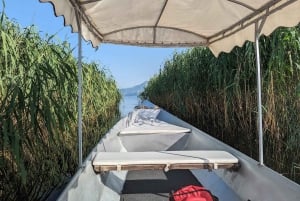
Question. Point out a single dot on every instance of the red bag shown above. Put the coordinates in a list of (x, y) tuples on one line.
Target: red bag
[(192, 193)]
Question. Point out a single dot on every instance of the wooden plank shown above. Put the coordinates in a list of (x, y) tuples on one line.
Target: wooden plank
[(164, 160)]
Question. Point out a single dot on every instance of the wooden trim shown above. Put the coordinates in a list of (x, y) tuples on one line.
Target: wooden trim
[(166, 167)]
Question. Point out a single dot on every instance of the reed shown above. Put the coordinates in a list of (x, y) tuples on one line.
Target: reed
[(218, 95), (38, 110)]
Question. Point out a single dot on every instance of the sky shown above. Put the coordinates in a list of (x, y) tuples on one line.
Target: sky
[(128, 65)]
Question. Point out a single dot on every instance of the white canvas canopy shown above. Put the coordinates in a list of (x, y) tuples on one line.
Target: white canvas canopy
[(218, 24)]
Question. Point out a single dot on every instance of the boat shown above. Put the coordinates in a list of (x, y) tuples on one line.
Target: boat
[(149, 158), (243, 179)]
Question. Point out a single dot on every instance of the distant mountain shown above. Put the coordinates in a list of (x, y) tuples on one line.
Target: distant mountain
[(134, 91)]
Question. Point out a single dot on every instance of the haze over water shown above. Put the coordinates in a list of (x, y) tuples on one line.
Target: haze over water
[(127, 104)]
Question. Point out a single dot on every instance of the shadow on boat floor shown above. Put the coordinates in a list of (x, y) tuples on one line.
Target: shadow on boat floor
[(155, 185)]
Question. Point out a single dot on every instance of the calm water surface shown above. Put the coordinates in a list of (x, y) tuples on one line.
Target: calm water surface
[(127, 104)]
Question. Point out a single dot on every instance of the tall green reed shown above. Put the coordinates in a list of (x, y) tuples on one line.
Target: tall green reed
[(218, 95), (38, 96)]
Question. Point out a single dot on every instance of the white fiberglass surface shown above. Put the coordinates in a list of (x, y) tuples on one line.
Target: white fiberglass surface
[(250, 182)]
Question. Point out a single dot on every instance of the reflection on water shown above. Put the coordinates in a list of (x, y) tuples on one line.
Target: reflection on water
[(127, 104)]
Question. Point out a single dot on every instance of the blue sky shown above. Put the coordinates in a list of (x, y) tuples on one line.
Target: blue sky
[(128, 65)]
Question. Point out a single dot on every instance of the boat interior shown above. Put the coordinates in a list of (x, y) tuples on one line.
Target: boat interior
[(144, 165)]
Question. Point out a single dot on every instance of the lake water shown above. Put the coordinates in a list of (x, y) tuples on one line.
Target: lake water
[(127, 104)]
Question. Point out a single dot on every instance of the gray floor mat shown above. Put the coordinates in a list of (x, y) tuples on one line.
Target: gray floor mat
[(155, 185)]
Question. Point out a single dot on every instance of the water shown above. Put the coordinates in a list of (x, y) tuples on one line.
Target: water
[(127, 104)]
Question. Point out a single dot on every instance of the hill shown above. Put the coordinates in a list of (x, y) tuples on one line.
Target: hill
[(135, 90)]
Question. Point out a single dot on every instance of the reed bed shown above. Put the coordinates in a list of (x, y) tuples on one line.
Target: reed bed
[(218, 95), (38, 111)]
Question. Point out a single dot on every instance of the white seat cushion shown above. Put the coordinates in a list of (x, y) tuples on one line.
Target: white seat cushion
[(127, 160)]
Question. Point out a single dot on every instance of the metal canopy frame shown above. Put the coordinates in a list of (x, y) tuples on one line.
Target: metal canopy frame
[(258, 14), (258, 28), (79, 102), (259, 23)]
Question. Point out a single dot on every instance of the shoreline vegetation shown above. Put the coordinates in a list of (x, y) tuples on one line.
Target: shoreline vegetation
[(218, 96), (38, 111), (38, 104)]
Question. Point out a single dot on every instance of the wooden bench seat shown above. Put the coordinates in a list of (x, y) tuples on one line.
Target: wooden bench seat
[(165, 160)]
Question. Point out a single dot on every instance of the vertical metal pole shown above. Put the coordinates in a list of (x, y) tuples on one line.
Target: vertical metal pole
[(259, 104), (79, 92)]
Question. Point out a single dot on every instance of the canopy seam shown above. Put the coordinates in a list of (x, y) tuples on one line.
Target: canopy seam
[(174, 28), (242, 4), (85, 18), (266, 8), (90, 1), (157, 21)]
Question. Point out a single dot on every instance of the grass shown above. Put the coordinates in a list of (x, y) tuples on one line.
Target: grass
[(38, 99), (218, 95)]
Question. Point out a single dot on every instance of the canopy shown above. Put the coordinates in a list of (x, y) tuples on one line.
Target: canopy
[(217, 24)]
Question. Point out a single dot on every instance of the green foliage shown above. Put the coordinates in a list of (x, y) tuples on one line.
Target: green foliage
[(38, 111), (101, 99), (218, 95)]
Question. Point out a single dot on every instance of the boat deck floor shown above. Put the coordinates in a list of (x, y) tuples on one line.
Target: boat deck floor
[(155, 185)]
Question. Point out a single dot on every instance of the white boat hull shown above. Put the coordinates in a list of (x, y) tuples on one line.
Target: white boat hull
[(251, 182)]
